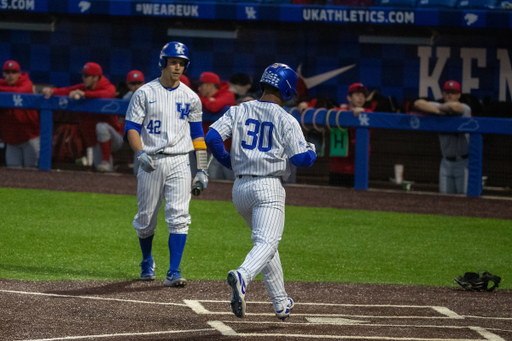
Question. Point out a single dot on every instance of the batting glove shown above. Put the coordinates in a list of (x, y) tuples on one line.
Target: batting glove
[(202, 177), (311, 146), (145, 161)]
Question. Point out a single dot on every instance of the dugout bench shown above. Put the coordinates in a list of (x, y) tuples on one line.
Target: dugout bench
[(311, 119)]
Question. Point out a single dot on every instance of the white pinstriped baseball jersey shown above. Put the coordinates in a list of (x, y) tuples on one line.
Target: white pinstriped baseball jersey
[(264, 135), (165, 115)]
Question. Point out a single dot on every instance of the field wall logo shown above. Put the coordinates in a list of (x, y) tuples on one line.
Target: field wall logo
[(470, 18), (63, 102), (84, 6), (471, 125), (111, 107), (251, 12), (18, 101), (364, 120), (414, 122)]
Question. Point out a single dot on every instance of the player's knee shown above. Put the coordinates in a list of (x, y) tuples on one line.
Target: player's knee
[(102, 132), (145, 233), (178, 229)]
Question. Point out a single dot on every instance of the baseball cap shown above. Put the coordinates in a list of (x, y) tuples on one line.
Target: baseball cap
[(11, 65), (451, 85), (209, 77), (92, 69), (135, 76), (357, 87), (184, 79)]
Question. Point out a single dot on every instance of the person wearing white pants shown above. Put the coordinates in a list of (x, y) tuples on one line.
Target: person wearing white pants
[(265, 139)]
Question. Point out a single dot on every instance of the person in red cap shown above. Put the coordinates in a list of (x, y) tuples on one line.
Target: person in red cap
[(342, 168), (134, 80), (214, 96), (19, 127), (453, 172), (101, 132)]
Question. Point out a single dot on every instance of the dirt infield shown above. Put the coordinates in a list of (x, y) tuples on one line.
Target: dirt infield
[(134, 310)]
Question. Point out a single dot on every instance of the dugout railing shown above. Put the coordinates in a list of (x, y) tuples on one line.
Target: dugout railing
[(311, 119)]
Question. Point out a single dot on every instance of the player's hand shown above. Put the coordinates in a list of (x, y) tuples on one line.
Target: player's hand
[(357, 111), (145, 161), (311, 146), (47, 92), (76, 94), (200, 182), (202, 177)]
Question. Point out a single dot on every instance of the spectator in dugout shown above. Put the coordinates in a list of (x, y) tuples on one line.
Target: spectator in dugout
[(342, 168), (102, 132), (134, 80), (214, 96), (19, 127)]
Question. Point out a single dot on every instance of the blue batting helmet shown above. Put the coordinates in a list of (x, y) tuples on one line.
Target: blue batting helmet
[(173, 49), (282, 77)]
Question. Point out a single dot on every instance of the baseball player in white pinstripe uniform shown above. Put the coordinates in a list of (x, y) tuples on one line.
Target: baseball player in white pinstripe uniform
[(163, 124), (265, 139)]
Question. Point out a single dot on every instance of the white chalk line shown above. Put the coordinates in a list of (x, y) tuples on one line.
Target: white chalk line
[(449, 314), (123, 334), (228, 331), (364, 324), (90, 297)]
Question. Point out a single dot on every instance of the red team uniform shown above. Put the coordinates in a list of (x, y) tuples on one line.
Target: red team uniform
[(86, 121), (18, 125)]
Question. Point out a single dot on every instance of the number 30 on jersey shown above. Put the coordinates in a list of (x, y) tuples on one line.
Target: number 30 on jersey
[(258, 134)]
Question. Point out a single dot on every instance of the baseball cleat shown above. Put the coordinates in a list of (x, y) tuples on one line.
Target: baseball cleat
[(174, 279), (285, 313), (237, 283), (104, 167), (147, 272)]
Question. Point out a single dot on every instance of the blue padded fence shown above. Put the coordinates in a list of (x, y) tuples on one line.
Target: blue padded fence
[(311, 119)]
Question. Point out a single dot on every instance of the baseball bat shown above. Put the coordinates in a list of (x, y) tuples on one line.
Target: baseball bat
[(197, 188)]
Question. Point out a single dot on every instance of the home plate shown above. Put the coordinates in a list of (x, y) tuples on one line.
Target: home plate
[(334, 321)]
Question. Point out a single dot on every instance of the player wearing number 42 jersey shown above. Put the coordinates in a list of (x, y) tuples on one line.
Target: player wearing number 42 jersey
[(163, 124), (265, 139)]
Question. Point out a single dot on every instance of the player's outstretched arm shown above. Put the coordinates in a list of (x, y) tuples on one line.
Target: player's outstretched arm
[(215, 143), (306, 159)]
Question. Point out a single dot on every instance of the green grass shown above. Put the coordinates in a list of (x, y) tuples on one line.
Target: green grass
[(47, 235)]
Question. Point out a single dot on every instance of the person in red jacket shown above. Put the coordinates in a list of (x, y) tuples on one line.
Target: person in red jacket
[(19, 127), (102, 132), (342, 168), (214, 96)]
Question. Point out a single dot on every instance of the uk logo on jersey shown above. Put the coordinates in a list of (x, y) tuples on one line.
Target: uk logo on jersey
[(184, 110)]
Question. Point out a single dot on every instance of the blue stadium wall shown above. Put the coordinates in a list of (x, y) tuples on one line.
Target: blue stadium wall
[(479, 59)]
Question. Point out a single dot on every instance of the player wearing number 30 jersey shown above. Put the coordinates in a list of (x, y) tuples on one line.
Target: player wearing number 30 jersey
[(265, 139), (163, 124)]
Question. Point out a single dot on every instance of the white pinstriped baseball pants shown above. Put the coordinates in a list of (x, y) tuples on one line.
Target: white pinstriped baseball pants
[(260, 201), (170, 180)]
